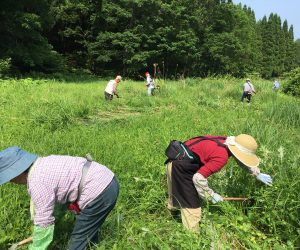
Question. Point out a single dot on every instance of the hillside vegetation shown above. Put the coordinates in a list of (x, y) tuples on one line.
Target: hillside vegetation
[(130, 135), (186, 38)]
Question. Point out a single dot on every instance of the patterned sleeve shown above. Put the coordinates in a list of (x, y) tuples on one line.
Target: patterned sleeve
[(43, 201), (202, 187)]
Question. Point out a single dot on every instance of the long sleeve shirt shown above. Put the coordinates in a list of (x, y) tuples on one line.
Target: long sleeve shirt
[(55, 179), (111, 87), (248, 87), (150, 83), (213, 157)]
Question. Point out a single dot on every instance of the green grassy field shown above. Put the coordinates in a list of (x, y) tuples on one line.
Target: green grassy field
[(130, 134)]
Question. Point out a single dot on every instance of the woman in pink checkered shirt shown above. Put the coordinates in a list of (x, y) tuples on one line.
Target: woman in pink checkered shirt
[(89, 188)]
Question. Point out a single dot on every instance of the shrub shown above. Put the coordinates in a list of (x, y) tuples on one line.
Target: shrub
[(5, 65), (293, 85)]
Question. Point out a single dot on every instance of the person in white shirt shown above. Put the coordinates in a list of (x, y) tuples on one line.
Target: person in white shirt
[(248, 89), (150, 84), (111, 88), (275, 85)]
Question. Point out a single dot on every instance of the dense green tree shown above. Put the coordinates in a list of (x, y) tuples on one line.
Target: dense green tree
[(267, 59), (231, 42), (292, 87), (76, 25), (278, 46), (285, 59), (22, 24), (187, 37), (297, 47), (152, 31), (291, 50)]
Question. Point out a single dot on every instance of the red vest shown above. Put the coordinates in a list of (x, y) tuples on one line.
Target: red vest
[(213, 156)]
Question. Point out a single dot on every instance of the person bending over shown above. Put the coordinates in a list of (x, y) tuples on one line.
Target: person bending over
[(112, 88), (187, 179), (88, 188)]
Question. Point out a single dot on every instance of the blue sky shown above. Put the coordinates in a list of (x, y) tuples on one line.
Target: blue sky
[(286, 9)]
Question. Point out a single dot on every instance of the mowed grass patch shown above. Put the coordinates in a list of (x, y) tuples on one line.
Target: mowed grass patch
[(129, 135)]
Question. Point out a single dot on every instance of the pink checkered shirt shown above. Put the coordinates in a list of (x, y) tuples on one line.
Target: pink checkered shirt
[(55, 179)]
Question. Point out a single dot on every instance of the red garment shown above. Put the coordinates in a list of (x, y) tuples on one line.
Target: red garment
[(74, 208), (213, 156)]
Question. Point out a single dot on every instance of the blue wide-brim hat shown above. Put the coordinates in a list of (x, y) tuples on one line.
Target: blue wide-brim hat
[(13, 162)]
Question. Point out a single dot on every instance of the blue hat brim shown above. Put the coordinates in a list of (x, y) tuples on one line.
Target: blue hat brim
[(17, 168)]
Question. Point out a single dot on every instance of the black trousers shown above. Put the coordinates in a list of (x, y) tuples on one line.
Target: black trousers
[(247, 95), (108, 96)]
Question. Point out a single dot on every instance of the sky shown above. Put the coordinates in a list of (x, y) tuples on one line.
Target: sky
[(286, 9)]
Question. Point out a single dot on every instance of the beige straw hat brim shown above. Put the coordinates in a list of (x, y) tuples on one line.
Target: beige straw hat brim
[(250, 160)]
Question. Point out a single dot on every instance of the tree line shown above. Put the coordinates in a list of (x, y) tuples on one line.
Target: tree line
[(185, 38)]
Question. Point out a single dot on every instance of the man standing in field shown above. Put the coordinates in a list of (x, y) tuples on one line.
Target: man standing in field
[(150, 84), (187, 179), (248, 90), (88, 188), (111, 88)]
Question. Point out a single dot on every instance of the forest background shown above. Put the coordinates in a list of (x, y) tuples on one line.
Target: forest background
[(208, 39), (186, 38)]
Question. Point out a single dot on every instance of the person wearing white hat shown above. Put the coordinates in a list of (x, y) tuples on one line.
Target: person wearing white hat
[(89, 190), (187, 179), (111, 88), (150, 84)]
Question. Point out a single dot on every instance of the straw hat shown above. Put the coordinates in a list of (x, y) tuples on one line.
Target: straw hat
[(13, 162), (243, 148)]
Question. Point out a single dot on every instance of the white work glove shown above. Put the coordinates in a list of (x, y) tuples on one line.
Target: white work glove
[(265, 178), (216, 198)]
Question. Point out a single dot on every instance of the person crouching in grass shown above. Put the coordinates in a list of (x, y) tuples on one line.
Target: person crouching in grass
[(89, 189), (187, 179), (112, 88)]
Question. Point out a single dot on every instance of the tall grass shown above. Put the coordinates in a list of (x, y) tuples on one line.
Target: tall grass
[(130, 134)]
